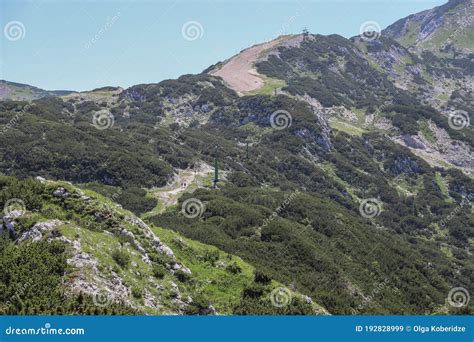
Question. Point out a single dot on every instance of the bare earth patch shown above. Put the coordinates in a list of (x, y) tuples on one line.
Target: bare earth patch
[(185, 181), (239, 71)]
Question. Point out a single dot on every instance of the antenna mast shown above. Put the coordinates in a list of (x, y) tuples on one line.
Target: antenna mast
[(305, 33)]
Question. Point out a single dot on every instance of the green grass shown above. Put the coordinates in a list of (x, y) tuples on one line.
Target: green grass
[(198, 182), (269, 86), (403, 188), (209, 279), (447, 251), (100, 245), (427, 132), (346, 127), (221, 287), (360, 113), (442, 185), (329, 169), (410, 37)]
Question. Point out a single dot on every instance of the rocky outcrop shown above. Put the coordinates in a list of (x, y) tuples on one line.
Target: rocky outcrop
[(39, 230), (442, 151), (88, 279)]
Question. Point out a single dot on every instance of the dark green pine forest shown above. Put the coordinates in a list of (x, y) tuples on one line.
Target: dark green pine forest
[(286, 210)]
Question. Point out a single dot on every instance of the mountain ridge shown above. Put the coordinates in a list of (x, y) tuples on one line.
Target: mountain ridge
[(22, 92), (416, 30)]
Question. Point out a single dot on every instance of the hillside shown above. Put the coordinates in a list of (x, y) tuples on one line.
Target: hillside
[(345, 173), (442, 30), (321, 237), (25, 92), (97, 258)]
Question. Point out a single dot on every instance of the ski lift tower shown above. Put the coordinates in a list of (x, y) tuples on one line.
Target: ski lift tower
[(216, 169)]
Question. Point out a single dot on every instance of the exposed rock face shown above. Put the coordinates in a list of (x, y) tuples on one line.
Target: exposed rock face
[(89, 280), (444, 151), (161, 247), (183, 109), (150, 300), (40, 179), (129, 235), (60, 192), (423, 29), (341, 112), (413, 141), (156, 243), (179, 267), (8, 225), (210, 311), (322, 138)]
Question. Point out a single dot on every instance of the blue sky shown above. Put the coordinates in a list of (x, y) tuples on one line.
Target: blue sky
[(86, 44)]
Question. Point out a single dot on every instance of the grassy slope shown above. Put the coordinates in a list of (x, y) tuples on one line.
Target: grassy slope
[(209, 281)]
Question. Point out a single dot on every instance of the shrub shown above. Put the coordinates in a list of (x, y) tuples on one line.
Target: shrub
[(159, 271), (262, 278), (137, 292), (121, 257), (182, 276), (211, 257), (233, 268)]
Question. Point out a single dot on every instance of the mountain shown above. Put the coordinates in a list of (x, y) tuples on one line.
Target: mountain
[(25, 92), (345, 176), (368, 85), (97, 258)]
